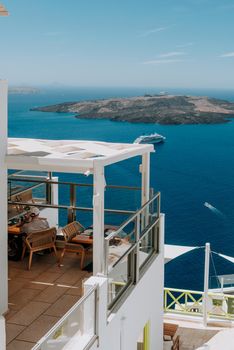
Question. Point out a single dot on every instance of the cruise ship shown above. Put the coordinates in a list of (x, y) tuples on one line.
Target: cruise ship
[(152, 138)]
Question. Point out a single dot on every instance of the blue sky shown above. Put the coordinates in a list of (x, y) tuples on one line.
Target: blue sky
[(161, 43)]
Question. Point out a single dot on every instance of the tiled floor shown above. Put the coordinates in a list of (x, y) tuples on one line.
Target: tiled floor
[(39, 297), (191, 339)]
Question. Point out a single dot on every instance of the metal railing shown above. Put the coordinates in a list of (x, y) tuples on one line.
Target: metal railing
[(125, 263), (46, 202), (189, 302), (221, 306), (183, 301), (78, 325)]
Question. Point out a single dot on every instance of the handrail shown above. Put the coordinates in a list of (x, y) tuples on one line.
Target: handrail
[(132, 217), (190, 302), (138, 256), (25, 190), (59, 206), (53, 182), (134, 245), (184, 290), (82, 300)]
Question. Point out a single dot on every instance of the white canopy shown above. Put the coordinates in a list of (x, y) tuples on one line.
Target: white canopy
[(73, 155), (172, 251)]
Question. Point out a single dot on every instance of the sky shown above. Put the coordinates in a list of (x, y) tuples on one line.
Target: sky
[(155, 43)]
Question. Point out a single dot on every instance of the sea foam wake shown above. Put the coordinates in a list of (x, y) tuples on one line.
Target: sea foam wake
[(214, 210)]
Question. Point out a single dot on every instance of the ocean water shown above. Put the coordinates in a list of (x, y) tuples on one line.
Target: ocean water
[(193, 167)]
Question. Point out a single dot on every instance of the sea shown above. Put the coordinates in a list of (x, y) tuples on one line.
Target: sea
[(193, 170)]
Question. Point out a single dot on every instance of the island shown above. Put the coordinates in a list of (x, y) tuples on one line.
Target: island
[(24, 90), (161, 109)]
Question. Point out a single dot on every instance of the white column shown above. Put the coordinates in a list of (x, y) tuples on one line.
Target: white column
[(3, 208), (206, 283), (145, 178), (98, 219), (104, 334), (51, 214)]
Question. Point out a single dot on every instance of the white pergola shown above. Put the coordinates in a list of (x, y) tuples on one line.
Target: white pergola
[(81, 157), (67, 156)]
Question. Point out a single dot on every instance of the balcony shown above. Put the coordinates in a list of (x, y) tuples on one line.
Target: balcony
[(53, 292), (48, 298)]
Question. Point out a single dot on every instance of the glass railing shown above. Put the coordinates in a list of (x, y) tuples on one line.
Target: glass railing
[(76, 329), (130, 248), (25, 188)]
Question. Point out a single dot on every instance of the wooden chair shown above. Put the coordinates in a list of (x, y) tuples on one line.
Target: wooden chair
[(169, 333), (70, 231), (38, 241)]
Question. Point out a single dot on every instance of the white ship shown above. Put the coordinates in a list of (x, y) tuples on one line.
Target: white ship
[(152, 138)]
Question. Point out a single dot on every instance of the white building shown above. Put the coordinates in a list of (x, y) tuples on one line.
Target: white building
[(123, 300)]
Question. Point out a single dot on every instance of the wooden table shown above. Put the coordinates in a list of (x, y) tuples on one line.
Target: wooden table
[(83, 239), (14, 230), (15, 242)]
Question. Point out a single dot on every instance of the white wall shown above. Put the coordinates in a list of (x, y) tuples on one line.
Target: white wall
[(144, 304), (2, 333), (3, 209)]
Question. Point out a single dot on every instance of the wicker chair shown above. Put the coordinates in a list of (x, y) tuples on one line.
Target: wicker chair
[(70, 231), (38, 241)]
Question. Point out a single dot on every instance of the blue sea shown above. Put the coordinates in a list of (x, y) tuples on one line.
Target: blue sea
[(195, 165)]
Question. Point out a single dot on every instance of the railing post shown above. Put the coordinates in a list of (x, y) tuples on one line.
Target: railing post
[(73, 199), (106, 252), (137, 251), (96, 308), (165, 299), (48, 193), (159, 204), (186, 300), (70, 215), (206, 283)]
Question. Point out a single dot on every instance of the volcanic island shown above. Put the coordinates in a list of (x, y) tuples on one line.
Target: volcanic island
[(161, 109)]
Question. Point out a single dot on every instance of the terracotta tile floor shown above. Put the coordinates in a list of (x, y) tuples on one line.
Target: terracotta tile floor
[(39, 297)]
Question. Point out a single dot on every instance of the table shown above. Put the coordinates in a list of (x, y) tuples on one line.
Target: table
[(82, 239), (85, 239), (15, 242), (14, 230)]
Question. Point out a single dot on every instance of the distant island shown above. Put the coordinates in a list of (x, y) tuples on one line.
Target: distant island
[(162, 109), (23, 90)]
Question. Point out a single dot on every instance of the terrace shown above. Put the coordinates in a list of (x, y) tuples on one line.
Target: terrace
[(40, 297)]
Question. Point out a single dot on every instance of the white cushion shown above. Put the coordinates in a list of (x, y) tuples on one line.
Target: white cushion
[(167, 345)]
